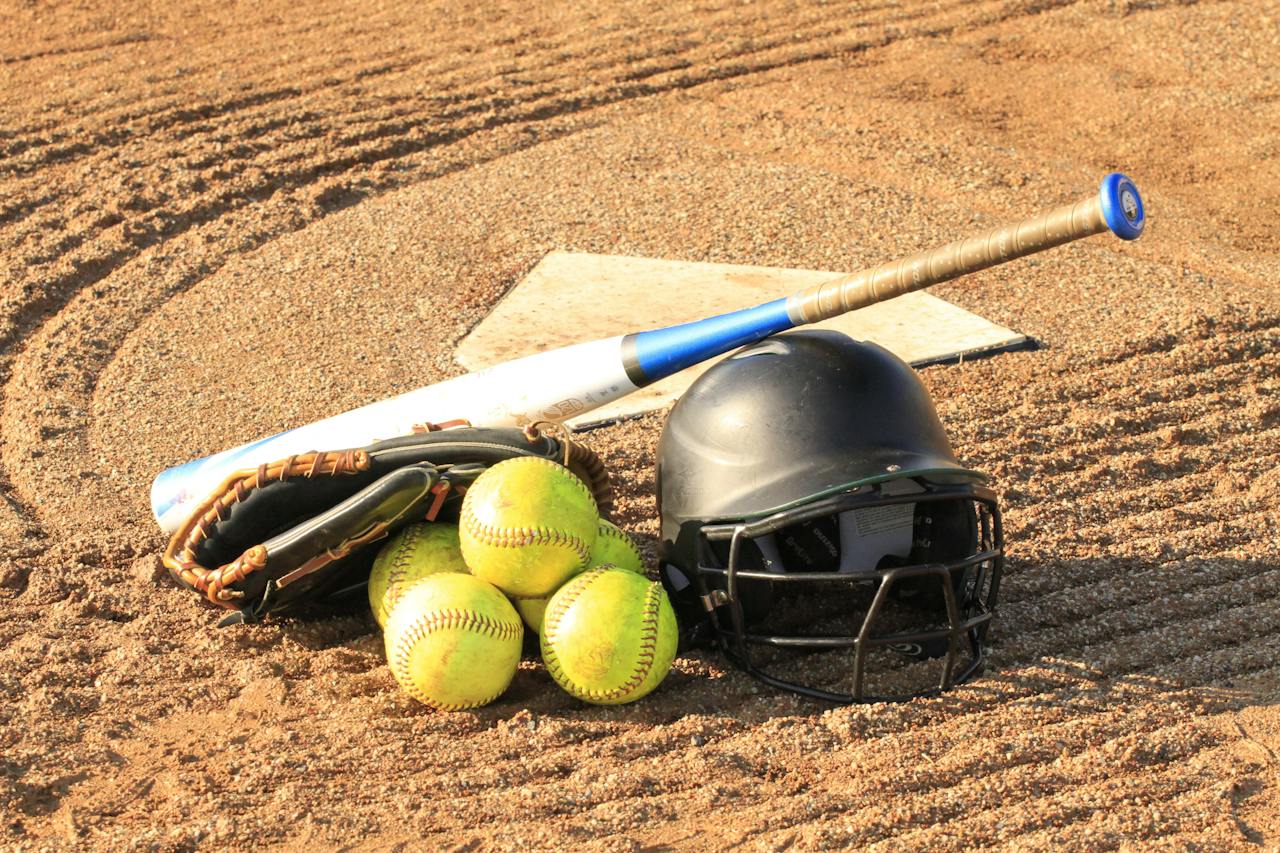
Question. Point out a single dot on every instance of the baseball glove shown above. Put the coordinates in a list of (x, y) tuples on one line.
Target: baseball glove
[(300, 529)]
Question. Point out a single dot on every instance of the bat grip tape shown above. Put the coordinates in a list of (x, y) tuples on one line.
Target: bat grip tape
[(1117, 207)]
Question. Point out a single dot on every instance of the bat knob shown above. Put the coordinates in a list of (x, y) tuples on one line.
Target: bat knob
[(1122, 206)]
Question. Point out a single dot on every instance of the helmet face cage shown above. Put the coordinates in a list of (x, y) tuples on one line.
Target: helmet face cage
[(962, 589)]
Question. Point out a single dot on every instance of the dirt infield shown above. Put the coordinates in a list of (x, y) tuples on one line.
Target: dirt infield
[(220, 221)]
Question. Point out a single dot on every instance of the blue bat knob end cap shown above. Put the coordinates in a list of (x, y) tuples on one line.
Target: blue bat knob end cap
[(1122, 206)]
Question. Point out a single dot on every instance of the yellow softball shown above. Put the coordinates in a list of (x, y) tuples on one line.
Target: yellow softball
[(609, 636), (613, 547), (453, 641), (531, 611), (527, 526), (415, 552)]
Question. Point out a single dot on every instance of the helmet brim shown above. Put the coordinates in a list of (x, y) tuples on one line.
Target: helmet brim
[(943, 475)]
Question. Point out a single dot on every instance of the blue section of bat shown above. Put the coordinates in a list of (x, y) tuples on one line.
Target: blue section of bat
[(1122, 206), (650, 356), (167, 490)]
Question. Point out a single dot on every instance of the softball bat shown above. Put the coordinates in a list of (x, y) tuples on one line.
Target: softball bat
[(562, 383)]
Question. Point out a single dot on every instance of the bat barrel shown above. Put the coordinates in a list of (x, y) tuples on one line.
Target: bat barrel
[(1117, 207)]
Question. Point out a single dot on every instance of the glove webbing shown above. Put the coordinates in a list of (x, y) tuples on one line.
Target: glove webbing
[(180, 555)]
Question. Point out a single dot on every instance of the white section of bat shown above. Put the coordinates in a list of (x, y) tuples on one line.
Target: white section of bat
[(553, 385)]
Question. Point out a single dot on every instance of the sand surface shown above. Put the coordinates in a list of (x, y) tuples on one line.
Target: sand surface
[(219, 220)]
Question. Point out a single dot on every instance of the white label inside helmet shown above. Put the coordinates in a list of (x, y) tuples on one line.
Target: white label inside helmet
[(868, 535), (877, 520)]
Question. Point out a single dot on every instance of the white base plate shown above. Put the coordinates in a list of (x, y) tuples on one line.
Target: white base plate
[(571, 297)]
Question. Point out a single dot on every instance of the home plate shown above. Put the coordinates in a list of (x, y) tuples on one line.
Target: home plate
[(571, 297)]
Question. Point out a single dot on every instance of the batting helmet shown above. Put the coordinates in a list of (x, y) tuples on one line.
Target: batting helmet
[(810, 501)]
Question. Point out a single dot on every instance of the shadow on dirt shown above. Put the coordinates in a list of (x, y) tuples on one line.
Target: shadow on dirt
[(1201, 633)]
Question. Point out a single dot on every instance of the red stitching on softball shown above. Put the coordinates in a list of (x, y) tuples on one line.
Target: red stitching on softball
[(399, 567), (515, 537), (649, 620), (439, 620)]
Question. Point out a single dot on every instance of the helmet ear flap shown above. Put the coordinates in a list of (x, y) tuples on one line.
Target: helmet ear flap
[(686, 600), (754, 596), (693, 593), (694, 599)]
